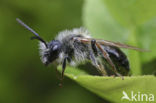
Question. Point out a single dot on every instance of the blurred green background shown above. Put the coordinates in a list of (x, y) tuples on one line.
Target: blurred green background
[(24, 79)]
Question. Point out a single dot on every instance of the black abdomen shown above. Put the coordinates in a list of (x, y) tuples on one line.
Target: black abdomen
[(119, 59)]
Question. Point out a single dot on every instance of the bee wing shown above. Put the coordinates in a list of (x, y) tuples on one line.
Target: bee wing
[(114, 44), (119, 45)]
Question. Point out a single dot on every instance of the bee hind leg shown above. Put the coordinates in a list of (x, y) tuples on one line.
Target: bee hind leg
[(106, 56)]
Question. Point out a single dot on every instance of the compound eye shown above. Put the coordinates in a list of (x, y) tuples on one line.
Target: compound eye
[(55, 47)]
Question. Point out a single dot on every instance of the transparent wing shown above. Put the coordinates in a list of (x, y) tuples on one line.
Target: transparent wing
[(120, 45), (110, 43)]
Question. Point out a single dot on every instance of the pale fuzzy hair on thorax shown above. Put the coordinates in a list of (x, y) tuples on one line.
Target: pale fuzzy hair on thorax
[(75, 31)]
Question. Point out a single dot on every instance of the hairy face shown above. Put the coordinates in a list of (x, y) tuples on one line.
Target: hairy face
[(50, 53)]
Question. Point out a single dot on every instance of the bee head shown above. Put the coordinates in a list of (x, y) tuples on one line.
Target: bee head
[(50, 52)]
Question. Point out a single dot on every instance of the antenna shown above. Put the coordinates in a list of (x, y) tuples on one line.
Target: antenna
[(31, 30)]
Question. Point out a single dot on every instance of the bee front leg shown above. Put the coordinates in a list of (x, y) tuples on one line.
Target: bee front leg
[(64, 66)]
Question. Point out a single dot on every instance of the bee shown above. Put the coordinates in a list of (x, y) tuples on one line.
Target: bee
[(77, 46)]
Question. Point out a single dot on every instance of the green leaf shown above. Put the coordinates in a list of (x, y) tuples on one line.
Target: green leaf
[(111, 88), (130, 22)]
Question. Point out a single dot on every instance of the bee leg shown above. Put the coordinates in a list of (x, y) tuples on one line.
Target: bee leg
[(64, 66), (93, 45), (102, 69), (106, 56), (66, 58), (96, 63)]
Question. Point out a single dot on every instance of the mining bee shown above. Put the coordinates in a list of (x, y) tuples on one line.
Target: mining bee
[(77, 46)]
